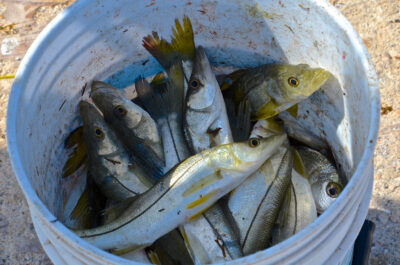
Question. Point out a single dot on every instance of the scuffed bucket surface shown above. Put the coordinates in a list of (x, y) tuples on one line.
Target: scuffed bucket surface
[(102, 40)]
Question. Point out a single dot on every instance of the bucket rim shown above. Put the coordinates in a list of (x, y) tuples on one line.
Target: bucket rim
[(52, 30)]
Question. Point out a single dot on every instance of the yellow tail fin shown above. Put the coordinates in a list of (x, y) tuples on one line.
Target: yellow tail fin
[(183, 39)]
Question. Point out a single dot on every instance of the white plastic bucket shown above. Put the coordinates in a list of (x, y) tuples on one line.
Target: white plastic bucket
[(102, 40)]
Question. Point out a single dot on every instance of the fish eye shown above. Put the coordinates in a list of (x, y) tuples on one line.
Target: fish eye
[(254, 142), (194, 83), (120, 111), (99, 133), (333, 189), (293, 81)]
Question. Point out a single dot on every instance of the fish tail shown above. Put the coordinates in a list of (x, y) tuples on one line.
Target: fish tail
[(87, 209), (183, 39), (162, 50), (151, 98)]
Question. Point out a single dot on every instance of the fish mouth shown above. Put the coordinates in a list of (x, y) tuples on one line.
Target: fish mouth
[(97, 85), (320, 77), (88, 111)]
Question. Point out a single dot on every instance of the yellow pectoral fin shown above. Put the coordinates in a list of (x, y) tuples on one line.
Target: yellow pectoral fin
[(293, 110), (267, 111)]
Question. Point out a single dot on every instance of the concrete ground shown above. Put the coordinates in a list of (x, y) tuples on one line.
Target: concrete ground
[(378, 23)]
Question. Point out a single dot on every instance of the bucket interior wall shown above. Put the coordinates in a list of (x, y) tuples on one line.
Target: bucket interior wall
[(104, 42)]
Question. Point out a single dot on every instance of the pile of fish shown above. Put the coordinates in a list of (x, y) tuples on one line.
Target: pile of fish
[(199, 168)]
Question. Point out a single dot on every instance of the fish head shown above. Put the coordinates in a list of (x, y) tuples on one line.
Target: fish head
[(115, 107), (326, 190), (254, 152), (203, 86), (98, 136), (295, 82)]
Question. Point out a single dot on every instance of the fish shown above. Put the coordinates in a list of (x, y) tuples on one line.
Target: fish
[(326, 184), (180, 195), (296, 130), (264, 191), (206, 122), (110, 164), (210, 237), (298, 210), (133, 125), (174, 93), (273, 88)]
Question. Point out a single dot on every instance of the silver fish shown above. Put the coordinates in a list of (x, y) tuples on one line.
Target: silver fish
[(298, 210), (206, 121), (110, 164), (134, 126), (265, 192), (210, 237), (325, 182), (182, 194)]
